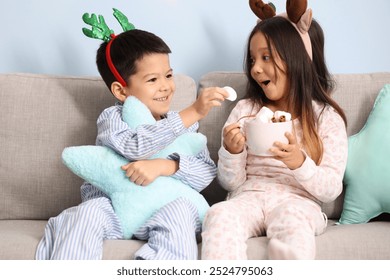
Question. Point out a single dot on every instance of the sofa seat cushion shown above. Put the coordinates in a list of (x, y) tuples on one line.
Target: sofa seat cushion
[(19, 240), (120, 249), (369, 241)]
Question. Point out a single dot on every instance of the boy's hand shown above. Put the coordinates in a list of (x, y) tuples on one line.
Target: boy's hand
[(144, 172), (290, 153), (207, 99), (233, 138)]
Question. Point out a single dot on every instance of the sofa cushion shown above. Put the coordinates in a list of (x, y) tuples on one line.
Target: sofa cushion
[(340, 242), (356, 94), (45, 114), (20, 238), (367, 175)]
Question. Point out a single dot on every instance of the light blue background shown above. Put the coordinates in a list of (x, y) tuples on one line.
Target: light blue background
[(44, 36)]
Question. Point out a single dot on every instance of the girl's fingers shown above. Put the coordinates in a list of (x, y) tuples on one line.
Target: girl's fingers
[(291, 138), (228, 129), (238, 138)]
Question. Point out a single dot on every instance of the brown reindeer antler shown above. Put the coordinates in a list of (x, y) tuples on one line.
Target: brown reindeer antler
[(295, 9), (297, 13), (261, 10)]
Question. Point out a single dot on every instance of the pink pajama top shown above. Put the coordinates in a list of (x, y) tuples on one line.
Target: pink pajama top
[(321, 183)]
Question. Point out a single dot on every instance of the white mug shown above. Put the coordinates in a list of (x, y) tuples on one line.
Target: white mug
[(260, 136)]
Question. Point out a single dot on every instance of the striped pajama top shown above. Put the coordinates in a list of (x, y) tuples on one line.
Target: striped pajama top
[(140, 143)]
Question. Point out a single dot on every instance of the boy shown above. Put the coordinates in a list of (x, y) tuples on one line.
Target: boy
[(137, 64)]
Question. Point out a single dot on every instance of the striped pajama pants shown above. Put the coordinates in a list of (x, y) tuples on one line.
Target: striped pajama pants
[(78, 232)]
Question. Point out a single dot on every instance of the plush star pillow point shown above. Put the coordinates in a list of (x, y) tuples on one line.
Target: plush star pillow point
[(134, 204), (367, 176)]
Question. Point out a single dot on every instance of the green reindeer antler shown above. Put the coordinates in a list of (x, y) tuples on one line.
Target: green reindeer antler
[(100, 30), (122, 19)]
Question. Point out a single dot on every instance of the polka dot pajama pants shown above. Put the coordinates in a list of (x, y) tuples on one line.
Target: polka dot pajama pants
[(288, 220)]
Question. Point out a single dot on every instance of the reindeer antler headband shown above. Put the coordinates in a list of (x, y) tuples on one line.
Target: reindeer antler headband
[(297, 13), (101, 31)]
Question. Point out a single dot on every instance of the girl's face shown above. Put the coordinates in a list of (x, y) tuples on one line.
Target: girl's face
[(269, 72), (153, 83)]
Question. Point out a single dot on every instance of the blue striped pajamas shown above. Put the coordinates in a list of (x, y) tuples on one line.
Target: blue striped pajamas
[(79, 232), (171, 233)]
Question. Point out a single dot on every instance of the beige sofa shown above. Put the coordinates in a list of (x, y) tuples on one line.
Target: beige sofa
[(42, 114)]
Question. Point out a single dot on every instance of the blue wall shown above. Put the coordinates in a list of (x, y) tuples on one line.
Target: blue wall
[(44, 36)]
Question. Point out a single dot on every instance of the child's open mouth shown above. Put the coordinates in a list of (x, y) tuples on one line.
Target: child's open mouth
[(265, 83)]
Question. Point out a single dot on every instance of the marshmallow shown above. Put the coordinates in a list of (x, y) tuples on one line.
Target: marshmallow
[(265, 115), (279, 114), (232, 93)]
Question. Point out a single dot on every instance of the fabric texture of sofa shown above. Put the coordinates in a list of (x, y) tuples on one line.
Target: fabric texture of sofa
[(43, 114)]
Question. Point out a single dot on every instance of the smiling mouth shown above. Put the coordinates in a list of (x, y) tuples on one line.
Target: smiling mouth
[(161, 99)]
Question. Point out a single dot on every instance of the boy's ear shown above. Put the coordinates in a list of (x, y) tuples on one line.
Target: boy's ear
[(118, 91)]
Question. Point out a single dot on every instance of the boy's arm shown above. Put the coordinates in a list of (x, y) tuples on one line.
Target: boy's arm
[(207, 99), (140, 143), (144, 172), (146, 140), (195, 171)]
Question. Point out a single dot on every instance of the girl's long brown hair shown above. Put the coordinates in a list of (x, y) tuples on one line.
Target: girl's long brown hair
[(302, 76)]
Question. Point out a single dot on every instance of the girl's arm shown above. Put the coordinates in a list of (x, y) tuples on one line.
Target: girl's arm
[(324, 182), (232, 167)]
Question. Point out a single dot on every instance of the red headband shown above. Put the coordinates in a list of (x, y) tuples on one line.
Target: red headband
[(111, 65)]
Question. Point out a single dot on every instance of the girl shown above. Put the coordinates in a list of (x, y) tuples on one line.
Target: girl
[(278, 196)]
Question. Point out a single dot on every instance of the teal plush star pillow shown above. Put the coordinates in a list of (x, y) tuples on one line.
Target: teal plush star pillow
[(367, 176), (134, 204)]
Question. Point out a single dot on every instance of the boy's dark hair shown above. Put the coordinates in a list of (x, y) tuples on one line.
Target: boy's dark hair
[(127, 48)]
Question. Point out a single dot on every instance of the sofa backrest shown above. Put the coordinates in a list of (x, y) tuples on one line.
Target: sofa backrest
[(355, 93), (40, 116)]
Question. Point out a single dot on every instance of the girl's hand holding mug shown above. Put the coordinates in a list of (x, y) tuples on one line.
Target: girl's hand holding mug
[(233, 138)]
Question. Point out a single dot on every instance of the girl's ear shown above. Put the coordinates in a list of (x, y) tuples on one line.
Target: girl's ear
[(118, 91)]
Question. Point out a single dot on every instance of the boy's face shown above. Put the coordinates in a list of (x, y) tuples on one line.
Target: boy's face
[(153, 83)]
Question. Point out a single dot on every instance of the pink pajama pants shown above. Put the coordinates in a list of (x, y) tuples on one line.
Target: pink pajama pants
[(288, 220)]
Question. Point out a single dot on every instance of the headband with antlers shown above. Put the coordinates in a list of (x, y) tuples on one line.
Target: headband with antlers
[(101, 31), (297, 13)]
